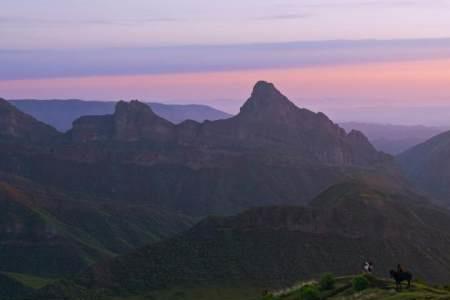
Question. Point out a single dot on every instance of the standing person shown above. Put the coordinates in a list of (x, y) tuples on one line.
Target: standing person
[(368, 267), (399, 269)]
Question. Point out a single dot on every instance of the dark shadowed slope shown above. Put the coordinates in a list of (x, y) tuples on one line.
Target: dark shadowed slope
[(394, 139), (275, 246), (61, 113), (428, 166), (48, 230), (15, 124), (44, 231)]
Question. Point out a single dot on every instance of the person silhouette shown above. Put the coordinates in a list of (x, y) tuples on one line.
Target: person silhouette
[(368, 267), (399, 269)]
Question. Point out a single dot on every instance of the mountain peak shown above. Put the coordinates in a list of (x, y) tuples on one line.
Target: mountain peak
[(133, 107), (267, 99), (265, 89)]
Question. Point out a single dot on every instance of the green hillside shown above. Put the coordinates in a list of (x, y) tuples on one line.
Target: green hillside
[(47, 232), (377, 289)]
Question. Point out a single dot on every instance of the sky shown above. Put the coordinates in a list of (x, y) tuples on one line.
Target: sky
[(353, 59)]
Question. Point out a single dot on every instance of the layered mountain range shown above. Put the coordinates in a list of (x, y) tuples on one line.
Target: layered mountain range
[(117, 182), (267, 121), (272, 152), (61, 113)]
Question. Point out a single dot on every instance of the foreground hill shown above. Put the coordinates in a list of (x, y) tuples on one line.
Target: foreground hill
[(61, 113), (275, 246), (428, 167), (377, 289)]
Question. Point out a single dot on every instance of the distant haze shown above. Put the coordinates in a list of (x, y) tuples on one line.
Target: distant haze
[(378, 61)]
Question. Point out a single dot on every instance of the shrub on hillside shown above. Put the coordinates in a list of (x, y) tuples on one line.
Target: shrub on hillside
[(309, 292), (360, 283), (327, 282)]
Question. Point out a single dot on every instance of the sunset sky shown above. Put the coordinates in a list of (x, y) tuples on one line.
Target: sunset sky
[(353, 59)]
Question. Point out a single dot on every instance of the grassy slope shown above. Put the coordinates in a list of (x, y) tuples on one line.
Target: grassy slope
[(17, 286), (380, 289), (29, 281), (46, 232), (201, 293)]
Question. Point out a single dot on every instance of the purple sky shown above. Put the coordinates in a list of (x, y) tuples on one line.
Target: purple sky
[(210, 51)]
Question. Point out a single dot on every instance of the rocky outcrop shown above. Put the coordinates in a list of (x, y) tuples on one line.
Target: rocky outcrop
[(134, 121), (267, 123)]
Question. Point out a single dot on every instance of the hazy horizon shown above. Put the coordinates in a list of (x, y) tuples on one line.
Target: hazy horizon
[(339, 57)]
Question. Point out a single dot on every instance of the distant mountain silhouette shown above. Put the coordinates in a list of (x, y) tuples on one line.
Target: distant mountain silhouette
[(61, 113), (428, 166), (267, 121), (275, 246), (393, 139)]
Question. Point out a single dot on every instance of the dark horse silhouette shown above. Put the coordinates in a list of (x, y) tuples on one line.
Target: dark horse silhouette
[(401, 276)]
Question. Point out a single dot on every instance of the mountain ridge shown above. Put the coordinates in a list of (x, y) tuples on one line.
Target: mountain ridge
[(61, 113), (267, 119)]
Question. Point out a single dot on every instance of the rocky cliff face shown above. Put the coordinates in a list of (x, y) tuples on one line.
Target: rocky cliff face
[(134, 121), (268, 122), (16, 125)]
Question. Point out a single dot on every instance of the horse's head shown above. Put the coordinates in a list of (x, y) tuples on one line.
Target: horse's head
[(392, 273)]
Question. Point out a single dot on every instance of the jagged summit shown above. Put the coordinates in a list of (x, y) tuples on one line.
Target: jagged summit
[(266, 100), (131, 121), (268, 121), (264, 88), (133, 107)]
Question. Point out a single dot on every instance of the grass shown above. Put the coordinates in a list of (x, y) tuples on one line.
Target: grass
[(379, 289), (201, 293), (29, 281)]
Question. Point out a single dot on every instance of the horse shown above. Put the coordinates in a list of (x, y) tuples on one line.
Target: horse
[(399, 277)]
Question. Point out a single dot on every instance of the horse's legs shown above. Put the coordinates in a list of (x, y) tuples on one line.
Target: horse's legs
[(409, 284)]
